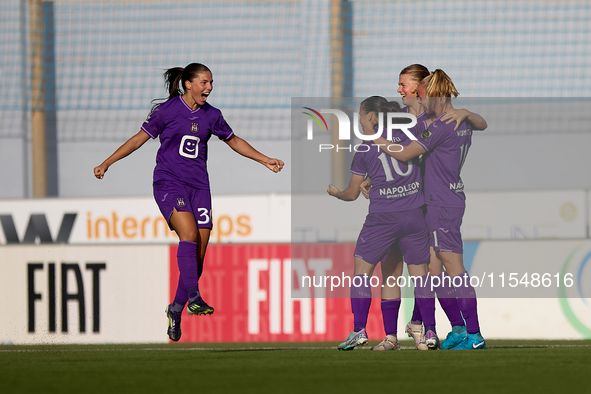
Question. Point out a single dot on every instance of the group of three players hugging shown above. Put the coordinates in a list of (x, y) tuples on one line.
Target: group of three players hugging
[(418, 223)]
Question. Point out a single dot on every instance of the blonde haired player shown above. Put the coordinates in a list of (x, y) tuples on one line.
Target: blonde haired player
[(446, 146)]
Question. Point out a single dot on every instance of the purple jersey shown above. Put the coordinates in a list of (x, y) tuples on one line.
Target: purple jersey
[(183, 140), (423, 117), (421, 122), (395, 185), (446, 151)]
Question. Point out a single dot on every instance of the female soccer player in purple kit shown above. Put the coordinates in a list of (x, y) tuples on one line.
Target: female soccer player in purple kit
[(445, 147), (395, 221), (184, 123)]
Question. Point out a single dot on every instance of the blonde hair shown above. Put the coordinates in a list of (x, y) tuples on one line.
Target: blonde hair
[(417, 73), (438, 84)]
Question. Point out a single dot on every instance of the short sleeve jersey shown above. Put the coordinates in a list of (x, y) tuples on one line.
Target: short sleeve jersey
[(395, 185), (184, 134), (446, 152), (420, 118)]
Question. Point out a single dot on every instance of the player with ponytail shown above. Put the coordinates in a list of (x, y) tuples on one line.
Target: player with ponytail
[(184, 123)]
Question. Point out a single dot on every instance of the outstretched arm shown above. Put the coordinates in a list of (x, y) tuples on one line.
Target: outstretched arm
[(458, 115), (130, 146), (246, 150), (351, 192)]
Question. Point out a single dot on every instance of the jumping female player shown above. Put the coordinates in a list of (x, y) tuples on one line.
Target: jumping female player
[(184, 123)]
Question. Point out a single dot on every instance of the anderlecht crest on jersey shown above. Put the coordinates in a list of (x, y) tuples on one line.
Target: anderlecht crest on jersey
[(194, 127), (180, 202)]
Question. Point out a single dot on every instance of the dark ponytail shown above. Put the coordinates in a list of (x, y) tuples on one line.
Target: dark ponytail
[(172, 81), (379, 104), (175, 78)]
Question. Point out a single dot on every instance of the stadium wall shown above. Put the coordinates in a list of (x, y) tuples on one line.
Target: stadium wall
[(117, 294), (283, 218), (111, 264)]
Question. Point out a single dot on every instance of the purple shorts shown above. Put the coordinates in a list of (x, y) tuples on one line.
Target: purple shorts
[(170, 195), (383, 231), (444, 228)]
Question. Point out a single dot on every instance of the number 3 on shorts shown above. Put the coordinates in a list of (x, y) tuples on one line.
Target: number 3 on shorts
[(203, 213)]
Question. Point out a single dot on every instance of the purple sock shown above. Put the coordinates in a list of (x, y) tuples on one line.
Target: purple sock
[(466, 297), (181, 297), (425, 300), (446, 295), (416, 313), (193, 293), (390, 309), (187, 262), (199, 270), (178, 305), (360, 301)]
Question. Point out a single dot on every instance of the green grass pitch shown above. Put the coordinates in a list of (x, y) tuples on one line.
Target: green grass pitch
[(505, 367)]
